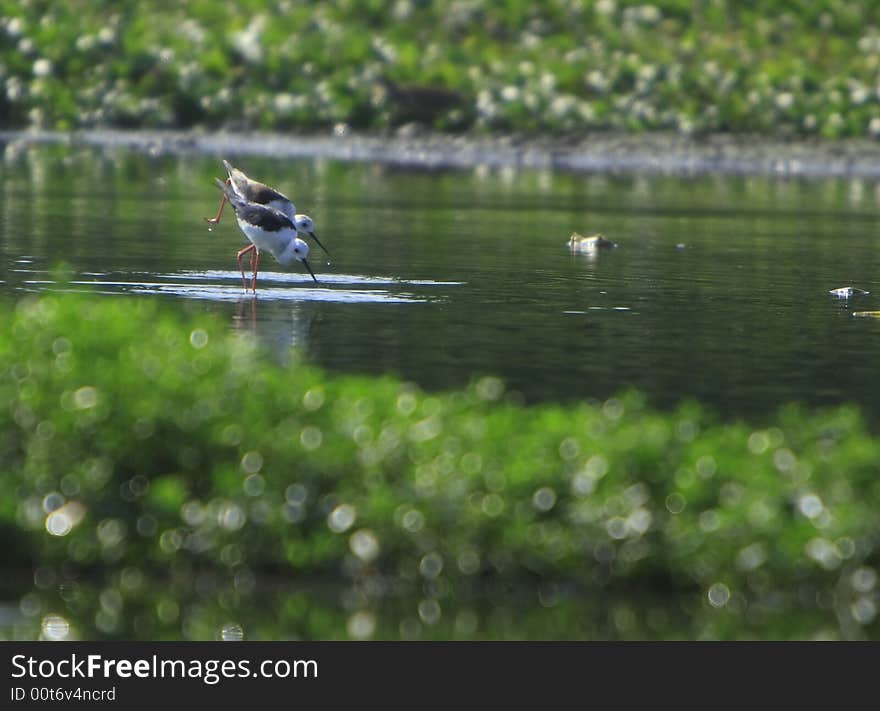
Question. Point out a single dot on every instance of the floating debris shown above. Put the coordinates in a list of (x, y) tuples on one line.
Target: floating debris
[(847, 292), (579, 243), (867, 314)]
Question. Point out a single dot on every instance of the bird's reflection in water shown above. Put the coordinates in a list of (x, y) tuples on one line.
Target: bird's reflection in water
[(245, 317), (280, 326)]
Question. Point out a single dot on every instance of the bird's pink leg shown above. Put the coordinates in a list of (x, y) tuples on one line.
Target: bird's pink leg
[(241, 253), (256, 264), (216, 219)]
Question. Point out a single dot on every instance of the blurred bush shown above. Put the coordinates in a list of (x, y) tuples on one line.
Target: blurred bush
[(802, 68), (133, 438)]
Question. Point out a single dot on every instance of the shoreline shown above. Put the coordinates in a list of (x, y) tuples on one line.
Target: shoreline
[(648, 153)]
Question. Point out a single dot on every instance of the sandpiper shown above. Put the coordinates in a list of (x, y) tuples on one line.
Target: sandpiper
[(580, 243), (256, 192), (267, 229)]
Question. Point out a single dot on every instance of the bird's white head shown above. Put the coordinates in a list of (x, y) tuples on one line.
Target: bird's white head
[(304, 224), (297, 250)]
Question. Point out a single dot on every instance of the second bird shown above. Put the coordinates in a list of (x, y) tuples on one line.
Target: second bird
[(256, 192)]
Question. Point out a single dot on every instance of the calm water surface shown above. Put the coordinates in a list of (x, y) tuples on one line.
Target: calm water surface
[(718, 290)]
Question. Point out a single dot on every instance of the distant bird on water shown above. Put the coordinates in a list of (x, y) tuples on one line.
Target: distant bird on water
[(579, 243), (268, 230), (261, 194)]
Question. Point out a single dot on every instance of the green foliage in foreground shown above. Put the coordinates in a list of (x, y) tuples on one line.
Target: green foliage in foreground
[(560, 65), (140, 441)]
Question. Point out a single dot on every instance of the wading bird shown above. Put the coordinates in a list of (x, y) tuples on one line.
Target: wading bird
[(266, 229), (256, 192)]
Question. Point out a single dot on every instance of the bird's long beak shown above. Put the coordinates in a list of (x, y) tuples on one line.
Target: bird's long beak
[(310, 270), (318, 242)]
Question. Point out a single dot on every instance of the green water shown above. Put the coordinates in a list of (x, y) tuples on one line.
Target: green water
[(718, 291)]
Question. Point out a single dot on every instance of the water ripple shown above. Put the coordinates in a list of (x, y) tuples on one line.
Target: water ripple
[(288, 277), (235, 293), (280, 286)]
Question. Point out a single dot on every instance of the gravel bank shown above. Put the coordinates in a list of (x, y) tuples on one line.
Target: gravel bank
[(592, 153)]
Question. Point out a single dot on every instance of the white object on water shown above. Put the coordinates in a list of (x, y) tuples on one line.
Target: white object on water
[(847, 292)]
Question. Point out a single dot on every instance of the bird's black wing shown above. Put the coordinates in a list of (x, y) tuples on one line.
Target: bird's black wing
[(263, 194), (268, 218)]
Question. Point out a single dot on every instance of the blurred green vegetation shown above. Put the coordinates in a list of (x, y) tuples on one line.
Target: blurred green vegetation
[(783, 68), (140, 444)]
